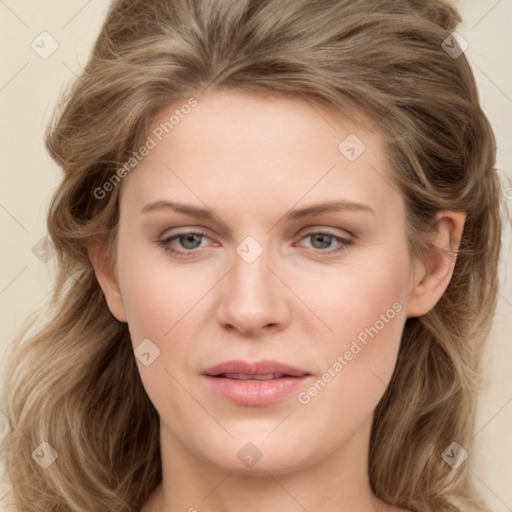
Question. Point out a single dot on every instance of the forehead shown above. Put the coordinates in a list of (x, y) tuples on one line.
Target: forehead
[(264, 151)]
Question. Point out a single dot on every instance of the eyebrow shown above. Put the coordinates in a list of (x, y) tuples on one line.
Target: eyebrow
[(310, 211), (193, 211), (335, 206)]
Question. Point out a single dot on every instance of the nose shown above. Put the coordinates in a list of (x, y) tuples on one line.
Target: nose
[(253, 299)]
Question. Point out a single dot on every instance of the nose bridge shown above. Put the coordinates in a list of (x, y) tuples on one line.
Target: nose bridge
[(251, 277), (253, 298)]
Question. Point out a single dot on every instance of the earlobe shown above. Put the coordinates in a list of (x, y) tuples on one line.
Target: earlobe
[(433, 276), (107, 279)]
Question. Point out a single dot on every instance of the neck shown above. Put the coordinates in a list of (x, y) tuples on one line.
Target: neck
[(337, 482)]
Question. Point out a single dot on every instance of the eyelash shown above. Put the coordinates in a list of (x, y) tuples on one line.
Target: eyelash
[(165, 243)]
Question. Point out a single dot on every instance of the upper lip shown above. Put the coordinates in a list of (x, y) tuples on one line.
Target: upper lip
[(264, 367)]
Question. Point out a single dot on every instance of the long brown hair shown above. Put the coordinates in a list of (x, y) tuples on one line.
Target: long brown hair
[(74, 383)]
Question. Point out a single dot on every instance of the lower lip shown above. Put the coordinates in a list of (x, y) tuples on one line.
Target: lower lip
[(252, 392)]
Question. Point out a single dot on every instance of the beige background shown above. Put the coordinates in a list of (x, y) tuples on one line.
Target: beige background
[(29, 85)]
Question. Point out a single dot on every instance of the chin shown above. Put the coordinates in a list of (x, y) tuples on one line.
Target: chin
[(261, 456)]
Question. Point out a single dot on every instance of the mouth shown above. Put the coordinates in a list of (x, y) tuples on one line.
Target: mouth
[(254, 384), (246, 376)]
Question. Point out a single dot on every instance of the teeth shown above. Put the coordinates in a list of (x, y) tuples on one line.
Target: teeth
[(245, 376)]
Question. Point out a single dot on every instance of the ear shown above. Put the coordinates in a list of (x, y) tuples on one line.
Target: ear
[(431, 278), (107, 279)]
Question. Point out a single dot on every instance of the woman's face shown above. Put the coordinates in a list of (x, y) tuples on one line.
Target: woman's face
[(264, 274)]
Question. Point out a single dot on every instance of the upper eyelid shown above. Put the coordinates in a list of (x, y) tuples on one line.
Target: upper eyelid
[(333, 235), (304, 231), (167, 234), (327, 230), (313, 228)]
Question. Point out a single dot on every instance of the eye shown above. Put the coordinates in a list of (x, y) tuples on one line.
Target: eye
[(187, 243), (327, 242), (183, 244)]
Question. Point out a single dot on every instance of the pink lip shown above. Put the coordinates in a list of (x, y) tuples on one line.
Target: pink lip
[(252, 392)]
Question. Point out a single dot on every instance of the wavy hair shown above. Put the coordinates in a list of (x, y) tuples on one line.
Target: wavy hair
[(73, 382)]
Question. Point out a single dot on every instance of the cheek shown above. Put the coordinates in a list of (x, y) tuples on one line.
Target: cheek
[(367, 312), (165, 304), (161, 304), (356, 376), (369, 291), (156, 295)]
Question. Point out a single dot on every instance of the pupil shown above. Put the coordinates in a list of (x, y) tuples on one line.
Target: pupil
[(190, 239), (323, 239)]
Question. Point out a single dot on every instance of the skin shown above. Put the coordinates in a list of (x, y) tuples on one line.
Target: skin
[(250, 160)]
